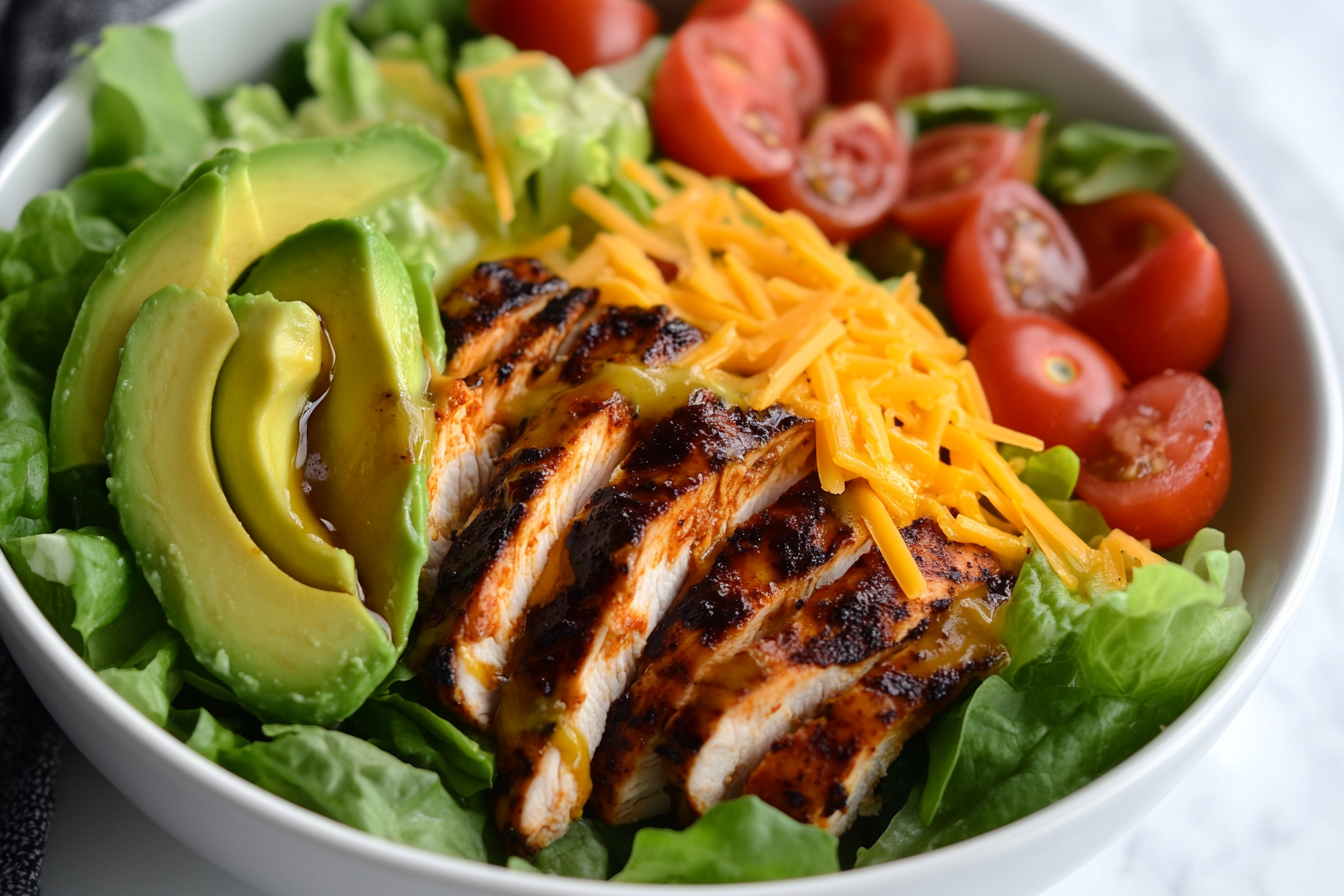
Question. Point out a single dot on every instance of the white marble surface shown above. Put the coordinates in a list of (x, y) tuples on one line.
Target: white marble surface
[(1262, 813)]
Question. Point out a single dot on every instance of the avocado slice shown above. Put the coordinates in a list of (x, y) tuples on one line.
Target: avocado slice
[(260, 400), (289, 651), (231, 210), (369, 439)]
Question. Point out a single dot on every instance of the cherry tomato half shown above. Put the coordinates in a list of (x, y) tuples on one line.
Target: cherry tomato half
[(851, 169), (1012, 254), (1166, 310), (1044, 378), (719, 105), (580, 33), (886, 50), (951, 166), (1116, 231), (805, 68), (1159, 464)]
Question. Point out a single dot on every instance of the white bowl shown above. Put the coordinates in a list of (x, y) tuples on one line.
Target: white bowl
[(1283, 409)]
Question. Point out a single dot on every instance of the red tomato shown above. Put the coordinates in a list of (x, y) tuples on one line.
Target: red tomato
[(1116, 231), (580, 33), (1166, 310), (1159, 464), (1013, 253), (805, 69), (718, 105), (1044, 378), (886, 50), (850, 170), (951, 166)]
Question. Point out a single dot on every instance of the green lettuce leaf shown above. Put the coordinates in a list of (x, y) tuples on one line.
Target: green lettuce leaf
[(1089, 161), (382, 19), (354, 782), (255, 116), (25, 396), (1042, 613), (1015, 752), (958, 105), (736, 841), (1050, 474), (125, 195), (342, 70), (634, 75), (205, 734), (142, 109), (1085, 520), (415, 734), (150, 680), (581, 852)]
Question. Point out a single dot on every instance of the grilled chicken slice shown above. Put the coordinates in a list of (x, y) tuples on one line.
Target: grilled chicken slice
[(773, 560), (467, 418), (566, 451), (750, 700), (483, 313), (650, 337), (824, 771), (695, 477)]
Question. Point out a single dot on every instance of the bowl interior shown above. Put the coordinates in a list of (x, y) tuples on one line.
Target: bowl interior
[(1283, 414)]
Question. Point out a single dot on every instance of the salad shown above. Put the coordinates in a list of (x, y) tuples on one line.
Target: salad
[(516, 433)]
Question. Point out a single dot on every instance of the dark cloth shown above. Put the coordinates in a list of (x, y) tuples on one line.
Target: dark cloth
[(30, 755), (37, 38)]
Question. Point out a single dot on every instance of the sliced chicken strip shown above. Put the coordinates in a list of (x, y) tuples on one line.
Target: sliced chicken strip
[(773, 560), (748, 701), (696, 476), (483, 313), (566, 453), (652, 337), (469, 433), (822, 773), (568, 449)]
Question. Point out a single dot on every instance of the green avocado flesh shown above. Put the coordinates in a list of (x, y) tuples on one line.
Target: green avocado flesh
[(367, 459), (289, 651), (263, 391), (230, 211)]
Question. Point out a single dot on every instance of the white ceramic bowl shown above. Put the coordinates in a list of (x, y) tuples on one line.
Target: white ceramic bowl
[(1283, 410)]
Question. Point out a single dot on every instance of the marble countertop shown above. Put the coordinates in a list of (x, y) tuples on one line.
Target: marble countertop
[(1259, 814)]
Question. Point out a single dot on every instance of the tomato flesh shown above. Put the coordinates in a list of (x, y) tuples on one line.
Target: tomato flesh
[(718, 105), (886, 50), (580, 33), (951, 166), (1160, 463), (1167, 310), (851, 168), (804, 71), (1116, 231), (1012, 254), (1044, 378)]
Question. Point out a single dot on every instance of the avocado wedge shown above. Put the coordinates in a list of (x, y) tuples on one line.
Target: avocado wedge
[(230, 211), (260, 402), (289, 651), (369, 439)]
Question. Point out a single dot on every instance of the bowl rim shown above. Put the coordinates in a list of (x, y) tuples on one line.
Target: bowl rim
[(1179, 741)]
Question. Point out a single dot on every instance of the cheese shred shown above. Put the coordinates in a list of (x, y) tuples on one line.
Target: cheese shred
[(903, 427)]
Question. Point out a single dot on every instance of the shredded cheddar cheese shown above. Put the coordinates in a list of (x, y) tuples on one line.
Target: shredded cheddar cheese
[(903, 426), (469, 85)]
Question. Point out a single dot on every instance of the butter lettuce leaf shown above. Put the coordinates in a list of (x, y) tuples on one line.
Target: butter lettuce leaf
[(356, 783), (1089, 161), (737, 841), (143, 109)]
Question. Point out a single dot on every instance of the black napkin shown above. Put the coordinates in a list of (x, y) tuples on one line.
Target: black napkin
[(36, 41)]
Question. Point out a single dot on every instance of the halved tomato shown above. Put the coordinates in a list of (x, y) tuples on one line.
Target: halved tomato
[(719, 104), (1116, 231), (1013, 254), (951, 166), (580, 33), (1167, 310), (886, 50), (804, 68), (1044, 378), (1160, 463), (851, 168)]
